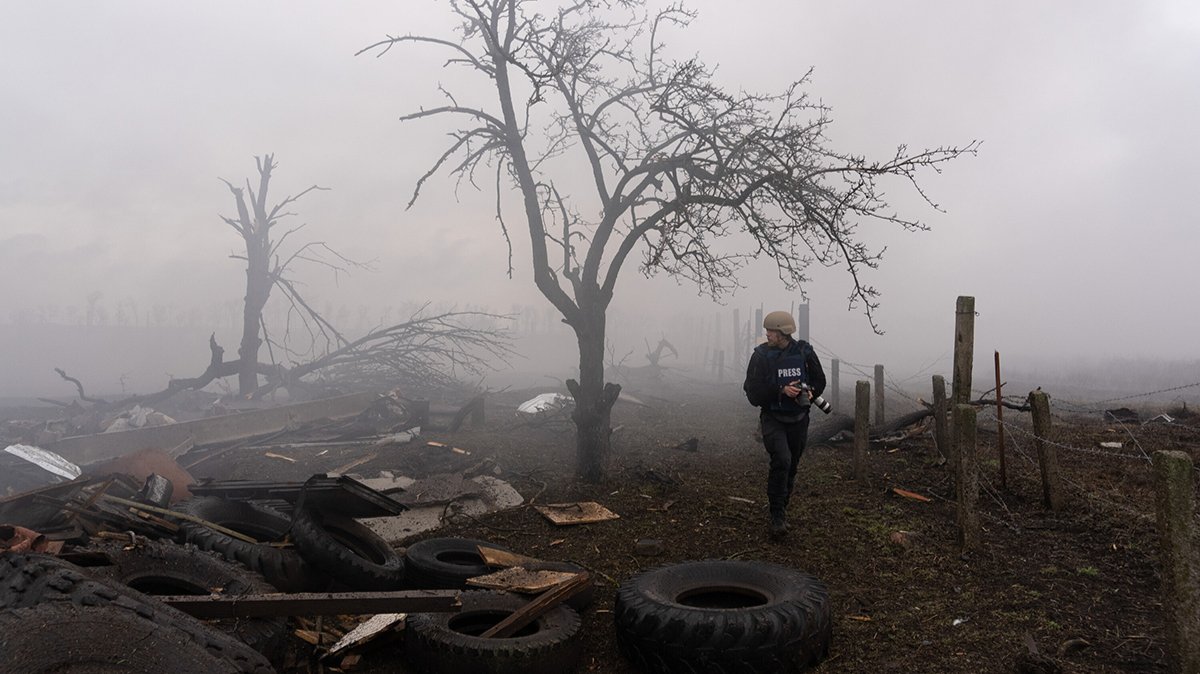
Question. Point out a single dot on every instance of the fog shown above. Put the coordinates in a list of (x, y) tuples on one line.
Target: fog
[(1072, 227)]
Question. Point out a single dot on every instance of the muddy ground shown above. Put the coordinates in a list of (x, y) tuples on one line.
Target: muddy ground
[(1080, 585)]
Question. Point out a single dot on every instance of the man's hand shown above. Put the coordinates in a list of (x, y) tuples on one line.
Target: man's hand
[(793, 390)]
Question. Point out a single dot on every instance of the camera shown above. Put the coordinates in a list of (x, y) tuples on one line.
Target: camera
[(817, 401)]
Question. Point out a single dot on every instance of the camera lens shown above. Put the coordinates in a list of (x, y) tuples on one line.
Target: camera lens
[(822, 404)]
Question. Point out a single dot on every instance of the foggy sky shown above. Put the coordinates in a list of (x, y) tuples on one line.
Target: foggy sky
[(1073, 227)]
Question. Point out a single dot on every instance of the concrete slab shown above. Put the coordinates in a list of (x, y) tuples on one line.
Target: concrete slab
[(493, 494)]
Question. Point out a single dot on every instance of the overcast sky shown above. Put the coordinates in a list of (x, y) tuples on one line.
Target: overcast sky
[(1074, 227)]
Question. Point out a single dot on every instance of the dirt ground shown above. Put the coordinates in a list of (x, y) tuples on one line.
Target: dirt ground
[(1080, 585)]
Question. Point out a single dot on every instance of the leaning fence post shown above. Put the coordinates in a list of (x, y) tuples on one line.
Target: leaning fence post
[(964, 355), (1000, 428), (879, 395), (835, 385), (862, 427), (967, 479), (941, 425), (1039, 405), (1181, 598)]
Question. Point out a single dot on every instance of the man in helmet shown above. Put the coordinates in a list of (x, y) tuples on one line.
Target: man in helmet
[(778, 368)]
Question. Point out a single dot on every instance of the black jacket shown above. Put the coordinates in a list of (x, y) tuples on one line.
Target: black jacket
[(761, 386)]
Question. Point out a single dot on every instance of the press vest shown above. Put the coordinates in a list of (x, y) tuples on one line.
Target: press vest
[(787, 366)]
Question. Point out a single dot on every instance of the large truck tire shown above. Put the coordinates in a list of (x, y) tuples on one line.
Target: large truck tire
[(723, 616), (449, 643), (61, 638), (28, 580), (160, 568)]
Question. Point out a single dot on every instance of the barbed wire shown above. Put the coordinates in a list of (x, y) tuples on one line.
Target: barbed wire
[(1083, 450)]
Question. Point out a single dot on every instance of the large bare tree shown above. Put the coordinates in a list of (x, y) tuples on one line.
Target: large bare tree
[(694, 178)]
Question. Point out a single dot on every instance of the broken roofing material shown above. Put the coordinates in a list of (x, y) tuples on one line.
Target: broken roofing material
[(545, 402)]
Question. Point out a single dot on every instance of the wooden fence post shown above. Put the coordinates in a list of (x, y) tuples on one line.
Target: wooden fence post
[(836, 385), (1174, 502), (941, 425), (1000, 428), (1039, 404), (721, 366), (967, 479), (737, 336), (879, 395), (862, 427), (964, 354)]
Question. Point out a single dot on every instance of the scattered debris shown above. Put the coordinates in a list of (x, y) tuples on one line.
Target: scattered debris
[(1122, 415), (1161, 419), (958, 621), (739, 499), (366, 631), (545, 402), (273, 455), (910, 494), (585, 512), (902, 539), (648, 547), (138, 417), (456, 450), (689, 445), (1112, 445)]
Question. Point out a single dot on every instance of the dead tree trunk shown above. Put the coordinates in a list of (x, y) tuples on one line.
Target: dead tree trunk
[(594, 400)]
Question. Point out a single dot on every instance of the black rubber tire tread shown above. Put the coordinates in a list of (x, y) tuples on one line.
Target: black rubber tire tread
[(283, 568), (28, 580), (61, 638), (335, 544), (445, 563), (788, 631), (186, 569), (442, 643)]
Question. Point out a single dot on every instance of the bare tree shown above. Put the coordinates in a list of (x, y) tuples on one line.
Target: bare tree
[(677, 166), (267, 265)]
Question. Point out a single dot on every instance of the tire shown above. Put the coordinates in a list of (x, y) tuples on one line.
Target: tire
[(723, 616), (28, 580), (448, 643), (445, 563), (156, 569), (61, 638), (347, 550), (283, 568)]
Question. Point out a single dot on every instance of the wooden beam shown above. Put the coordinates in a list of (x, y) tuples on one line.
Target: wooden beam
[(316, 603), (536, 608)]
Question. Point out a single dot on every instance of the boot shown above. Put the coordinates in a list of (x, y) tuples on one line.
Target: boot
[(779, 526)]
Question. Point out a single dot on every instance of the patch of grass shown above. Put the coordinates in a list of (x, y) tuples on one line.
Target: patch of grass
[(1088, 571), (1048, 570)]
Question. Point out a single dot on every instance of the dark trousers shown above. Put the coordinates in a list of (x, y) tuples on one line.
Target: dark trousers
[(785, 444)]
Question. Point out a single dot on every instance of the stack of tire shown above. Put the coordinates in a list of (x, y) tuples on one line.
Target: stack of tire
[(448, 643), (329, 547), (56, 617)]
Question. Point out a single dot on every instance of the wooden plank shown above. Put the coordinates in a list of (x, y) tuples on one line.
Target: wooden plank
[(503, 558), (538, 607), (316, 603), (521, 580), (576, 513)]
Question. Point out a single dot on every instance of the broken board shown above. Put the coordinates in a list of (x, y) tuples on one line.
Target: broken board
[(521, 580), (584, 512)]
